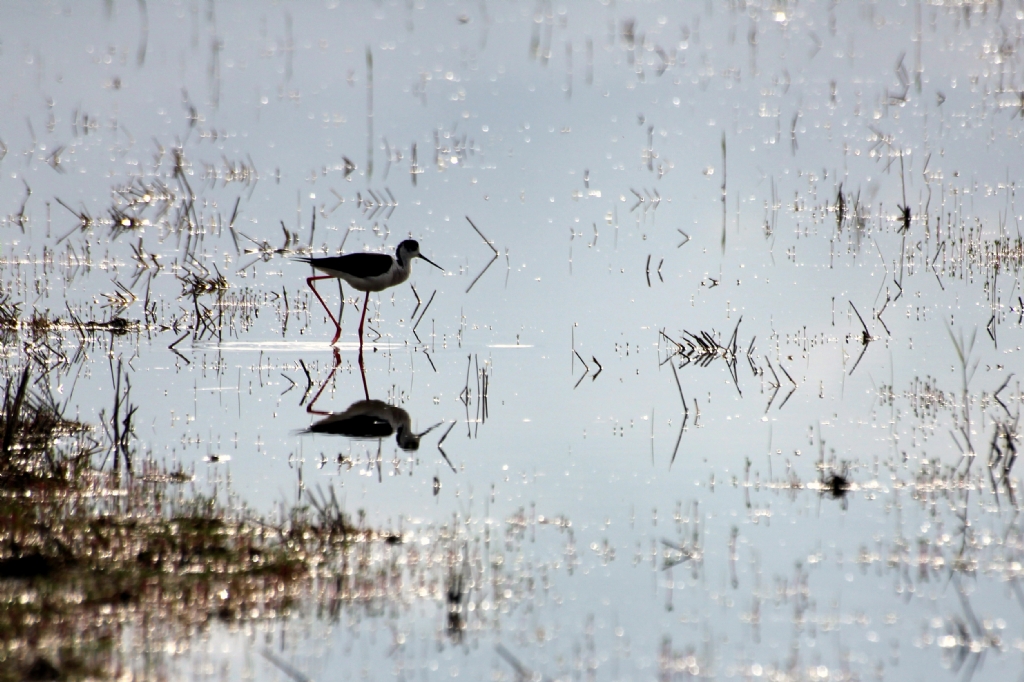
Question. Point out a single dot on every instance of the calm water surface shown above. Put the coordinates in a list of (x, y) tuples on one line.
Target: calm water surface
[(730, 390)]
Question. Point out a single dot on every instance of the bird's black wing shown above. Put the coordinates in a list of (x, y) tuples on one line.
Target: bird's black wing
[(359, 426), (355, 264)]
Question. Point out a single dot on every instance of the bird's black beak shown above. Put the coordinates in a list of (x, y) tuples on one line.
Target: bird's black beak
[(431, 262)]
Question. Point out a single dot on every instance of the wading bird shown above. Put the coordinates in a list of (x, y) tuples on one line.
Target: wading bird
[(366, 272)]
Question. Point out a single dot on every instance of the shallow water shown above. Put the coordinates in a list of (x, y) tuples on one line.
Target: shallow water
[(644, 173)]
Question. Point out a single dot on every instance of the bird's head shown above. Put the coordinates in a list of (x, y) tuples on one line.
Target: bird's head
[(410, 249), (407, 439)]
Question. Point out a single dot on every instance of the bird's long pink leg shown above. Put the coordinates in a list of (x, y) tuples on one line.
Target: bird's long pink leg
[(337, 327), (362, 373), (362, 319), (337, 363)]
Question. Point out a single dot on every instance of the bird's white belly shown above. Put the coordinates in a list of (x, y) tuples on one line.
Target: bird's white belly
[(378, 283)]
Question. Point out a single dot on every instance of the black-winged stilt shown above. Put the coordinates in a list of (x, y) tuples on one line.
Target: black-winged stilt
[(366, 272)]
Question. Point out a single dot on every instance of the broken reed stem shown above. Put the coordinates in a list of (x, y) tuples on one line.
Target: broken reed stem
[(486, 241), (13, 414), (724, 210), (369, 113), (420, 318)]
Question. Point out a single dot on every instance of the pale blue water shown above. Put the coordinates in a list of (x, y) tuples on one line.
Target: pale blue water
[(549, 155)]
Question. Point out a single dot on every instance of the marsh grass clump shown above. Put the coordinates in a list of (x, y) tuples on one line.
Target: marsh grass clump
[(122, 221), (139, 204), (32, 422), (837, 485), (10, 313), (37, 326), (199, 284), (87, 552), (41, 324)]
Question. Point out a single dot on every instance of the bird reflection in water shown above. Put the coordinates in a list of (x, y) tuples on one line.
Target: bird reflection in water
[(367, 419)]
